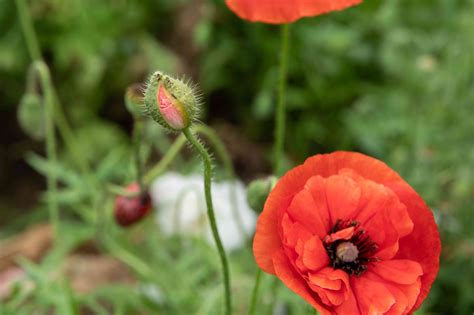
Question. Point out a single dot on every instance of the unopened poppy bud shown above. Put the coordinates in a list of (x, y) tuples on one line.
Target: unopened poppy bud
[(31, 116), (130, 210), (258, 191), (134, 99), (171, 102)]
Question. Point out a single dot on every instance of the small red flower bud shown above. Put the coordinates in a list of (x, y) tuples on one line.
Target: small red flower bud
[(130, 210)]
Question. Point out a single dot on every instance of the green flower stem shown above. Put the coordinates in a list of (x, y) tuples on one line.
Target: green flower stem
[(46, 85), (165, 161), (60, 120), (28, 30), (253, 301), (210, 212), (179, 143), (137, 141), (280, 122), (280, 117), (224, 156), (51, 153)]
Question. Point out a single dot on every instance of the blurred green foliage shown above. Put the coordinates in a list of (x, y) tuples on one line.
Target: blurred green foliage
[(393, 79)]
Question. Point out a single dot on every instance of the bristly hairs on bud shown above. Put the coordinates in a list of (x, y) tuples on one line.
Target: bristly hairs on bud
[(173, 103)]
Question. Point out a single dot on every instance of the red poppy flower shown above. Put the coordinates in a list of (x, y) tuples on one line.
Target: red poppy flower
[(130, 210), (350, 236), (285, 11)]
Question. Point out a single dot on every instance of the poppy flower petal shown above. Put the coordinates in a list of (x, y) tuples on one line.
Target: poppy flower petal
[(304, 210), (412, 292), (344, 234), (285, 11), (399, 271), (384, 234), (326, 165), (342, 194), (331, 285), (423, 244), (372, 296), (376, 198), (316, 185), (293, 232), (400, 307), (350, 306), (315, 256), (267, 236), (288, 275), (405, 295)]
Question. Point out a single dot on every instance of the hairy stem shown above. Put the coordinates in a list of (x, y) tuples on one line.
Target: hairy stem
[(210, 212), (52, 182), (224, 156)]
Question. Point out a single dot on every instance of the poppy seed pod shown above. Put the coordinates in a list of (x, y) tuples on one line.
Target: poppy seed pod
[(171, 102), (130, 210)]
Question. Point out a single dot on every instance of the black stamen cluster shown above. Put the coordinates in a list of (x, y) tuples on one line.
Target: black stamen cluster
[(366, 247)]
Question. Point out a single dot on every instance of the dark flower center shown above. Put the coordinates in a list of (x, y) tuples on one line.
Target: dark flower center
[(351, 255)]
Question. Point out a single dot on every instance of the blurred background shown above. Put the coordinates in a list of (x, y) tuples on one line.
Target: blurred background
[(392, 79)]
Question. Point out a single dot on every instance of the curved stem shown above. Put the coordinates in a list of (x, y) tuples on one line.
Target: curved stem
[(51, 153), (28, 30), (219, 147), (179, 143), (46, 86), (224, 156), (165, 161), (280, 116), (253, 301), (60, 120), (210, 212)]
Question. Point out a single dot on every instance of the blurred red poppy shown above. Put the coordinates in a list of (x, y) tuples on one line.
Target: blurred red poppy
[(350, 236), (130, 210), (285, 11)]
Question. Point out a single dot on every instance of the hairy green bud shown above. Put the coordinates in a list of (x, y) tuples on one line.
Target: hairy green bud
[(171, 102)]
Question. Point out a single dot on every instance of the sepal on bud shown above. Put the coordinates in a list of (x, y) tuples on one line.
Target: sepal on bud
[(171, 102), (258, 191)]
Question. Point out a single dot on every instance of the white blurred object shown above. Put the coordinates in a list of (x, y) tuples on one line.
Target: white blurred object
[(181, 208)]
